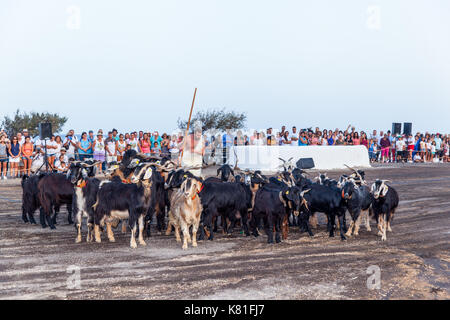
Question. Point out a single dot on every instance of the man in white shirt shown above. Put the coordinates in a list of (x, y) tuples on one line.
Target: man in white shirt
[(400, 148), (294, 137)]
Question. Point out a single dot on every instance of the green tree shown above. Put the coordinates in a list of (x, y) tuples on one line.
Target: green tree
[(217, 119), (22, 120)]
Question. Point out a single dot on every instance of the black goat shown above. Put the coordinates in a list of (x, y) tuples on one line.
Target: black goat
[(225, 172), (54, 190), (30, 197), (272, 206), (384, 205), (358, 200), (326, 199), (117, 200), (228, 199), (86, 187)]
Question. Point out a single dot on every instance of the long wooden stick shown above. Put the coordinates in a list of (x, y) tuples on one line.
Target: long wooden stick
[(187, 127)]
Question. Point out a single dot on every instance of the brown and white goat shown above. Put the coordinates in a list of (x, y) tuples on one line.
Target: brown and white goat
[(185, 211)]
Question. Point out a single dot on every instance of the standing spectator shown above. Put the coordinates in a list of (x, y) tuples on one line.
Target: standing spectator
[(84, 147), (20, 138), (156, 150), (411, 142), (3, 156), (258, 141), (25, 134), (364, 140), (156, 138), (110, 148), (99, 151), (70, 143), (355, 139), (271, 141), (115, 135), (302, 140), (27, 150), (340, 141), (14, 157), (121, 146), (385, 145), (314, 140), (286, 140), (133, 142), (165, 145), (372, 150), (294, 137), (331, 138), (400, 148), (145, 144), (51, 147)]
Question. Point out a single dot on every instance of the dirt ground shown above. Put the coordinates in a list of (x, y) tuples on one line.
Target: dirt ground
[(38, 263)]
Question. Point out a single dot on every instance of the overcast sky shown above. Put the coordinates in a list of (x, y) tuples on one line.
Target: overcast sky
[(134, 64)]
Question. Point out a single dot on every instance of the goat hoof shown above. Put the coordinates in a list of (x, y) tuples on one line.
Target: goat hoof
[(133, 245), (78, 240), (184, 247), (343, 238), (112, 240), (194, 244), (142, 243)]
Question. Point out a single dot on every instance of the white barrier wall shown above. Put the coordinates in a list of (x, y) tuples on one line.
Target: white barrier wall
[(265, 158)]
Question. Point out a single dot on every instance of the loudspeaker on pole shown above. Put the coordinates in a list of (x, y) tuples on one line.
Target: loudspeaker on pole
[(396, 128), (45, 130), (407, 128)]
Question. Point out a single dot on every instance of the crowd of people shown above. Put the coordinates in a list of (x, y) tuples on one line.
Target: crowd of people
[(18, 152)]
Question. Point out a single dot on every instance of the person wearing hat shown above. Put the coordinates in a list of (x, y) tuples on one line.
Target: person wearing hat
[(99, 150)]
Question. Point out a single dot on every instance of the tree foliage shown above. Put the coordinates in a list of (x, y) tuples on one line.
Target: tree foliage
[(217, 119), (22, 120)]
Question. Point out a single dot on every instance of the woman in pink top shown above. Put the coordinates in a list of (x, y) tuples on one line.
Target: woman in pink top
[(356, 140), (145, 145), (314, 140)]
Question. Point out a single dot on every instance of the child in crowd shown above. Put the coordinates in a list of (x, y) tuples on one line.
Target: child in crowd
[(156, 150)]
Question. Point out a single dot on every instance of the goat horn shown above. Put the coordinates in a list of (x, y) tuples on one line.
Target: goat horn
[(90, 165), (303, 192)]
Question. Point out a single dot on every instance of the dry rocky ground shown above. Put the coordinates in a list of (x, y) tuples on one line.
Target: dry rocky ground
[(414, 261)]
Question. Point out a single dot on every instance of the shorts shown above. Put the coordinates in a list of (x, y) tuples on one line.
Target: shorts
[(110, 159), (29, 158), (4, 160), (411, 147), (99, 156), (14, 160)]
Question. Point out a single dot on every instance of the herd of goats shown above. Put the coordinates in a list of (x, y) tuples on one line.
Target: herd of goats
[(141, 187)]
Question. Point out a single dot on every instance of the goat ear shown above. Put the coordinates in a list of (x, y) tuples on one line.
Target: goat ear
[(385, 190), (218, 171), (148, 174), (133, 164)]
